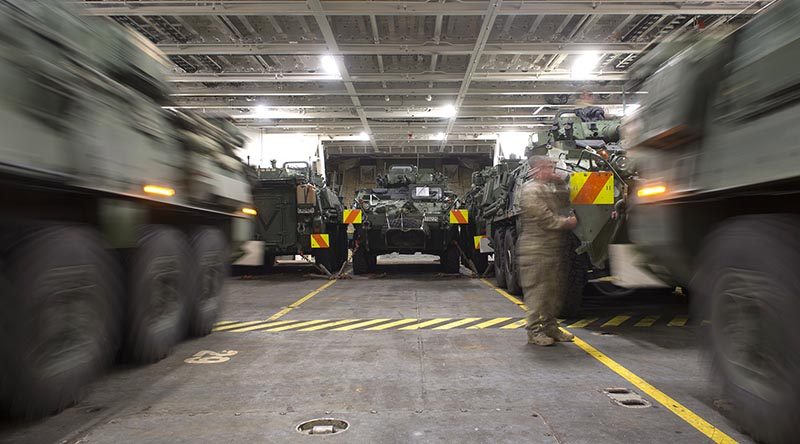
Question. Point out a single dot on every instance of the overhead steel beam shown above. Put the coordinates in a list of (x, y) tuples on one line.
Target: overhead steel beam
[(263, 91), (443, 48), (492, 10), (333, 46), (321, 102), (387, 77), (391, 8)]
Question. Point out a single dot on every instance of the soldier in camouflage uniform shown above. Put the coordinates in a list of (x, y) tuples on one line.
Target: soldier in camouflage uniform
[(540, 250)]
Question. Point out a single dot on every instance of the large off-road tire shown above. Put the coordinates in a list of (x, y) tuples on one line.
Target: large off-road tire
[(59, 317), (159, 283), (210, 253), (268, 265), (451, 260), (510, 263), (576, 268), (746, 280), (363, 261), (332, 257), (499, 257)]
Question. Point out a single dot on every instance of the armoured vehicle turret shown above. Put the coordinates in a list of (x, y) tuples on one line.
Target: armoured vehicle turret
[(409, 211), (584, 145), (718, 140), (298, 214), (118, 216)]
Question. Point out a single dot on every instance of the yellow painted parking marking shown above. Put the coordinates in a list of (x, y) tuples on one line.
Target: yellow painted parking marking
[(647, 321), (505, 294), (425, 324), (583, 323), (329, 324), (221, 323), (360, 325), (261, 325), (392, 324), (488, 323), (513, 325), (292, 326), (300, 301), (455, 324), (678, 321), (616, 321), (706, 428), (236, 325)]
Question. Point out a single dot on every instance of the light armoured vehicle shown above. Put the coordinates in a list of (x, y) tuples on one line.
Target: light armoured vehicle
[(584, 143), (718, 139), (410, 211), (298, 214), (118, 218)]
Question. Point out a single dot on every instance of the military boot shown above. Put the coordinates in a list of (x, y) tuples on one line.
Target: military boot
[(559, 335), (539, 338)]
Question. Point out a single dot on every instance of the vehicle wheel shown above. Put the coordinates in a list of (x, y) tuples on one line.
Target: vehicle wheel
[(211, 255), (59, 317), (747, 277), (577, 267), (499, 257), (361, 262), (451, 260), (268, 265), (159, 283), (481, 261), (510, 264), (343, 247)]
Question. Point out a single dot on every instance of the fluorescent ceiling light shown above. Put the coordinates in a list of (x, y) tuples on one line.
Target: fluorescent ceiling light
[(363, 136), (584, 65), (438, 136), (448, 111), (329, 65)]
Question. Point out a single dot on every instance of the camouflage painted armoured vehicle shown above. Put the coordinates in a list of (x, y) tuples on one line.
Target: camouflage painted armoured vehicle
[(718, 138), (299, 214), (409, 211), (117, 217), (585, 145)]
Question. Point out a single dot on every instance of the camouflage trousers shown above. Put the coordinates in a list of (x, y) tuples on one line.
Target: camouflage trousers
[(542, 282)]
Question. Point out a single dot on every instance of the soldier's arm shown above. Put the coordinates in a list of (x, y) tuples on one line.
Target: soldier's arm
[(534, 202)]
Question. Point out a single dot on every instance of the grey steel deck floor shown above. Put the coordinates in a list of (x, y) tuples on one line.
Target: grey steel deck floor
[(456, 385)]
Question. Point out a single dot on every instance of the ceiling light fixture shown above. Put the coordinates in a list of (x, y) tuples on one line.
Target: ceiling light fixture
[(329, 65), (584, 65), (448, 111)]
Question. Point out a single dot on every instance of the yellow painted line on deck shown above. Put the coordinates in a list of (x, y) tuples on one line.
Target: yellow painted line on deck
[(583, 323), (329, 324), (616, 321), (221, 323), (703, 426), (360, 324), (488, 323), (261, 325), (236, 325), (513, 325), (293, 326), (392, 324), (706, 428), (300, 301), (506, 295), (678, 321), (425, 324), (456, 324), (647, 321)]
